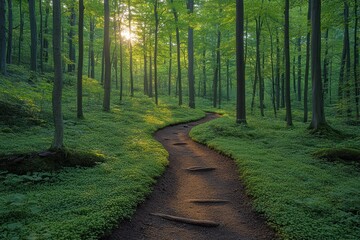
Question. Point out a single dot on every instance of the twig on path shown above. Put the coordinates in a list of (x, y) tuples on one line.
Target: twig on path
[(203, 223)]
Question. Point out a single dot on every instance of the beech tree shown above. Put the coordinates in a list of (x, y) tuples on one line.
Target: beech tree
[(107, 80), (2, 37), (58, 81), (240, 63), (318, 115), (81, 61), (287, 65), (191, 75), (33, 29)]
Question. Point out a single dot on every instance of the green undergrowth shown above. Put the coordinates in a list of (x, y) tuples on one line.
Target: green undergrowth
[(81, 203), (302, 196)]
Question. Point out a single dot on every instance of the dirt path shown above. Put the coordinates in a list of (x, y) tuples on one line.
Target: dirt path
[(178, 186)]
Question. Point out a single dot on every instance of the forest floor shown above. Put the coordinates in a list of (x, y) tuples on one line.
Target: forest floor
[(214, 194)]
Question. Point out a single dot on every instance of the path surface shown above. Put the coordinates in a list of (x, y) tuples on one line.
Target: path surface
[(178, 185)]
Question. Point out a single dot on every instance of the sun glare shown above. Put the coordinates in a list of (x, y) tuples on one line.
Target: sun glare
[(128, 36)]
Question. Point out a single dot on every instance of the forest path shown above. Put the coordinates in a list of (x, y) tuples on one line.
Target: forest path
[(179, 186)]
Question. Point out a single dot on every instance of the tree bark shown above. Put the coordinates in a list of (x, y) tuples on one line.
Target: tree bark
[(156, 15), (178, 51), (107, 79), (170, 65), (131, 54), (2, 37), (57, 91), (240, 64), (299, 90), (81, 60), (307, 64), (33, 28), (71, 34), (356, 60), (318, 116), (287, 66), (10, 33), (191, 75)]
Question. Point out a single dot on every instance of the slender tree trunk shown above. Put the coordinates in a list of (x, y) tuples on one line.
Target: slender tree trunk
[(151, 76), (307, 64), (58, 142), (81, 60), (21, 31), (347, 74), (278, 76), (318, 116), (294, 73), (9, 35), (46, 32), (178, 51), (91, 47), (204, 72), (287, 66), (2, 37), (121, 65), (71, 34), (299, 90), (156, 50), (170, 65), (131, 54), (272, 69), (356, 60), (191, 75), (146, 84), (107, 79), (240, 64), (33, 61), (41, 38), (326, 62), (216, 70), (227, 79)]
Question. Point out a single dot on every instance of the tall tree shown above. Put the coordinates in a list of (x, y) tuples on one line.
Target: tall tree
[(91, 48), (191, 75), (33, 29), (81, 60), (287, 66), (10, 33), (131, 53), (58, 142), (2, 37), (156, 15), (21, 31), (307, 64), (356, 60), (71, 35), (107, 79), (170, 65), (240, 63), (318, 115), (178, 51)]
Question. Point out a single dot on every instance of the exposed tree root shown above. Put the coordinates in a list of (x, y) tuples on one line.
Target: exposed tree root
[(200, 169), (208, 201), (202, 223)]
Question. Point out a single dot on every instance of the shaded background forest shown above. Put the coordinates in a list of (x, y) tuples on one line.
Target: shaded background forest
[(136, 27)]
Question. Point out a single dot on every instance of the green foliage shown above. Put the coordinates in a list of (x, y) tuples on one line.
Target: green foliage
[(302, 197), (83, 203)]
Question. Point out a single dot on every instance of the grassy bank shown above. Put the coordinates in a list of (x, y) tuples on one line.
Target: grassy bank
[(302, 197), (79, 203)]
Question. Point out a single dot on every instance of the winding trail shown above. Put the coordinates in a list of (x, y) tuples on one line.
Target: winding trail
[(198, 185)]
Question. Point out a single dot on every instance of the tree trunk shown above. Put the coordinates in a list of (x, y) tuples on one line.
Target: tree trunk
[(287, 66), (299, 92), (2, 37), (178, 51), (146, 84), (46, 32), (41, 37), (347, 60), (121, 65), (156, 50), (33, 29), (9, 35), (107, 79), (21, 31), (240, 64), (307, 64), (216, 70), (228, 80), (318, 116), (151, 76), (204, 72), (272, 69), (81, 60), (170, 65), (131, 54), (356, 60), (191, 75), (326, 62), (71, 34), (57, 91), (91, 47), (278, 70)]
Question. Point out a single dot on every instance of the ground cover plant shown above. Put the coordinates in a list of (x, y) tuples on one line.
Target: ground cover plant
[(77, 202), (295, 180)]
